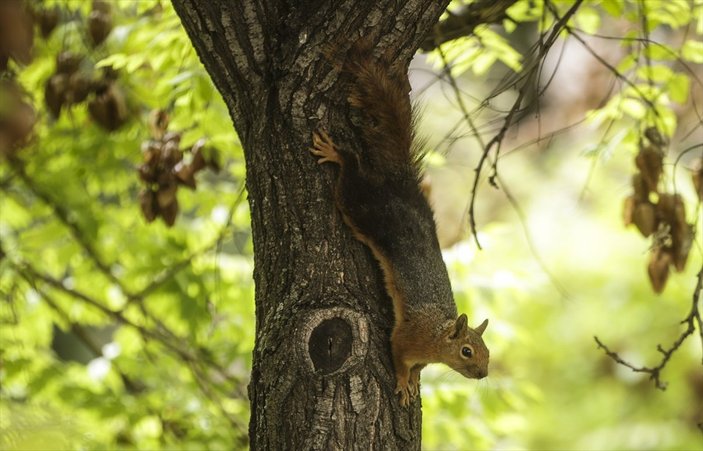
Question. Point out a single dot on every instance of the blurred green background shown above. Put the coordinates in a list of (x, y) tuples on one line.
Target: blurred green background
[(120, 333)]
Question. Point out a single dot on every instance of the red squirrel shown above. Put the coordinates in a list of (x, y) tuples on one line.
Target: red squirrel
[(378, 193)]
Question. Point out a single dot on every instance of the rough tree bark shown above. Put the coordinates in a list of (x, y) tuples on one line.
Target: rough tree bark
[(322, 375)]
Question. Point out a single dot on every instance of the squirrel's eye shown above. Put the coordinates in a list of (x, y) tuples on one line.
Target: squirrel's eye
[(467, 352)]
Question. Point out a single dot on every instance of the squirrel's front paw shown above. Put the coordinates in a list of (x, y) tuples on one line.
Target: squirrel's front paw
[(323, 147)]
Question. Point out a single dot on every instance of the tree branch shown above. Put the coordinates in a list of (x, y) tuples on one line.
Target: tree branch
[(464, 20), (692, 320), (496, 141)]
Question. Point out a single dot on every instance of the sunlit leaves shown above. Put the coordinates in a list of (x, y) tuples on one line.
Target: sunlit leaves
[(79, 261), (479, 53), (693, 51)]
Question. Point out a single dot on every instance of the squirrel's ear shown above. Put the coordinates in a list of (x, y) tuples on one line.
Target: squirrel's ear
[(460, 326), (479, 330)]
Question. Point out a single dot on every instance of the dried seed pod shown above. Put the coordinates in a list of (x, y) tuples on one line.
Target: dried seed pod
[(170, 212), (644, 217), (16, 33), (68, 62), (48, 18), (669, 208), (99, 26), (185, 174), (655, 137), (102, 6), (171, 154), (55, 93), (640, 187), (682, 248), (650, 162), (17, 117), (147, 201), (79, 86), (658, 268), (166, 195), (198, 161), (109, 108)]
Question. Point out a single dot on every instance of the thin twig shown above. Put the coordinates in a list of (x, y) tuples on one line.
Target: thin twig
[(496, 141), (691, 320)]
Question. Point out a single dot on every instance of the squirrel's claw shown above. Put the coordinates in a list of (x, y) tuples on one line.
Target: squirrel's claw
[(407, 393)]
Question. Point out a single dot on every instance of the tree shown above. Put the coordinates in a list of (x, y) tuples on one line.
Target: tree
[(317, 314), (161, 311)]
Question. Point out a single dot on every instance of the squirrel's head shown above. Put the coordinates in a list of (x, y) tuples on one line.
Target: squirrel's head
[(468, 354)]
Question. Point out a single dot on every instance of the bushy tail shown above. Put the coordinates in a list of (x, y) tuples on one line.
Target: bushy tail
[(379, 89)]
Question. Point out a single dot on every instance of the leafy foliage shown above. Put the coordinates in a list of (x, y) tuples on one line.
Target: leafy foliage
[(138, 331)]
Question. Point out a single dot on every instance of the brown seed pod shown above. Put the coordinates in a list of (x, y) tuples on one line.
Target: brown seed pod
[(655, 137), (55, 93), (166, 195), (47, 18), (658, 268), (198, 162), (185, 174), (171, 154), (644, 217), (109, 108), (682, 248), (640, 187), (102, 6), (650, 162), (99, 26), (670, 207), (147, 201), (17, 117), (68, 62), (151, 150), (16, 33), (79, 86), (170, 212)]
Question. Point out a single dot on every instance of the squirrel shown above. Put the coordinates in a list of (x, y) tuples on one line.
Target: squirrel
[(379, 196)]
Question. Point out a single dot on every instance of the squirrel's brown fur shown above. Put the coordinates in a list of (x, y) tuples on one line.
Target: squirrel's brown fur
[(379, 196)]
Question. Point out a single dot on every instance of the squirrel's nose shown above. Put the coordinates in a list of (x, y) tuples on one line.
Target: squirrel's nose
[(483, 372)]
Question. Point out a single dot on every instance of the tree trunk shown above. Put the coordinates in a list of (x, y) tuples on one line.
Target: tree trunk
[(322, 374)]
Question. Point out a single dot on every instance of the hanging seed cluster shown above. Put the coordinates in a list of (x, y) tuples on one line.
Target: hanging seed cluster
[(72, 84), (17, 118), (657, 214), (164, 170), (17, 21)]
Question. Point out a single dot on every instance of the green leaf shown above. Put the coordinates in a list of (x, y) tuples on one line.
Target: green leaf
[(613, 7), (587, 19), (679, 86), (692, 51), (656, 73), (633, 108)]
